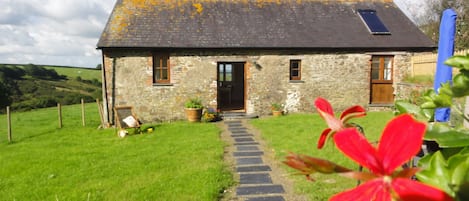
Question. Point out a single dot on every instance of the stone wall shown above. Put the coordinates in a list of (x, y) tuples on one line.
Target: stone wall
[(342, 78)]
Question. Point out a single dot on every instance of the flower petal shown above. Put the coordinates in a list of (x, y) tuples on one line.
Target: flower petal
[(355, 146), (352, 112), (409, 190), (323, 105), (323, 137), (401, 140), (372, 190)]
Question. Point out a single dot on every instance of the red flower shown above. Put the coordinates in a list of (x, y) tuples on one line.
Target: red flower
[(400, 141), (327, 113)]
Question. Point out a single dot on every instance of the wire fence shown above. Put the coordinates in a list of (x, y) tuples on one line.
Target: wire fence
[(71, 116)]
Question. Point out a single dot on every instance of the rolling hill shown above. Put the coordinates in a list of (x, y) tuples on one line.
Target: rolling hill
[(29, 86)]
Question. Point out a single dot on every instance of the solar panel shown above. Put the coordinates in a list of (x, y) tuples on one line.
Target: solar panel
[(372, 21)]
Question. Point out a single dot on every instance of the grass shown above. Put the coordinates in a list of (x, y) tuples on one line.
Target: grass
[(177, 161), (299, 133), (420, 79), (72, 72)]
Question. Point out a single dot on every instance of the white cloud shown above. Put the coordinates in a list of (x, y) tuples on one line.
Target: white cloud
[(65, 32), (54, 32)]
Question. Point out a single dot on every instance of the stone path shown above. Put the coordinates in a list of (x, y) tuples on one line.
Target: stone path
[(255, 181)]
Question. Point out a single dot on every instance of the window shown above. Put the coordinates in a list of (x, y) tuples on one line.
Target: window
[(372, 22), (161, 68), (381, 68), (295, 69)]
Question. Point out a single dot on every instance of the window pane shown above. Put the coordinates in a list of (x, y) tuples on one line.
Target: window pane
[(221, 71), (294, 73), (375, 68), (161, 68), (157, 61), (228, 72), (164, 74), (295, 69), (387, 68), (164, 62)]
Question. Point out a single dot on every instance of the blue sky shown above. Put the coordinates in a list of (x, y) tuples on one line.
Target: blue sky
[(65, 32)]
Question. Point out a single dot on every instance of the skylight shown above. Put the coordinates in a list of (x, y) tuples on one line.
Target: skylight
[(372, 22)]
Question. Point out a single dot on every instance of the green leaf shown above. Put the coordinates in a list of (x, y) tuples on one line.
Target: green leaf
[(458, 166), (460, 85), (458, 61), (447, 136), (435, 173), (419, 113), (428, 105)]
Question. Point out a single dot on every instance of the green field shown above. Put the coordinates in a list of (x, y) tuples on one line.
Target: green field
[(29, 86), (177, 161), (72, 72), (299, 133)]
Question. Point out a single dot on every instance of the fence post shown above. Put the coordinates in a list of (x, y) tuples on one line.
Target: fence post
[(9, 124), (83, 112), (59, 109)]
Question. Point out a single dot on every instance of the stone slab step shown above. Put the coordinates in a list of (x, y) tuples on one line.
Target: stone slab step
[(245, 143), (239, 132), (247, 153), (244, 139), (249, 161), (268, 198), (253, 168), (258, 190), (241, 135), (257, 178)]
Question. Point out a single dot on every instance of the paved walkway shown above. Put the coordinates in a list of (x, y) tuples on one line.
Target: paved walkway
[(255, 181)]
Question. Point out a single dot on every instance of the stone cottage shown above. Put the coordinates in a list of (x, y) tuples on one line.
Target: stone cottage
[(244, 55)]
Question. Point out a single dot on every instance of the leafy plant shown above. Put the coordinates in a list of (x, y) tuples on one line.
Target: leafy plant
[(276, 107), (448, 168), (210, 115), (194, 103)]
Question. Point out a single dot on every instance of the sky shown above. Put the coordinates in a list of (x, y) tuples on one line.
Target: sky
[(65, 32)]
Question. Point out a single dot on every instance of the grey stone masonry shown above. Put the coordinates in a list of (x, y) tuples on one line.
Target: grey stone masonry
[(341, 77)]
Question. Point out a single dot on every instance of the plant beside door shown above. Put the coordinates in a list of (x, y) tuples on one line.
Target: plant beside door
[(193, 108), (277, 109)]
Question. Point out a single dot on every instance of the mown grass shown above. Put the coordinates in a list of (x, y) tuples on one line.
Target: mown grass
[(177, 161), (299, 133)]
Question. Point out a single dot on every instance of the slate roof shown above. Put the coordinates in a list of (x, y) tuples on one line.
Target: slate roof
[(257, 24)]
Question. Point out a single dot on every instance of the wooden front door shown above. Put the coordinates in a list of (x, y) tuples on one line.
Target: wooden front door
[(230, 86), (382, 91)]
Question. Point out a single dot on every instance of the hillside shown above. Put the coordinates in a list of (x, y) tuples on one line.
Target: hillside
[(30, 86)]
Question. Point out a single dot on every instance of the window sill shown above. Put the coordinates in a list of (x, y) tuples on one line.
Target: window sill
[(297, 81), (162, 84)]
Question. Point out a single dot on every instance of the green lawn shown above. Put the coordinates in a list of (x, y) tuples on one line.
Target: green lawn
[(299, 133), (177, 161)]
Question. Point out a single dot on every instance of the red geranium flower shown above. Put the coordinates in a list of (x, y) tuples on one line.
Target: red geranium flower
[(327, 113), (400, 141)]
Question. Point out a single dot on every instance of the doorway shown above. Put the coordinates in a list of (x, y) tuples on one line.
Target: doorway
[(230, 92), (381, 90)]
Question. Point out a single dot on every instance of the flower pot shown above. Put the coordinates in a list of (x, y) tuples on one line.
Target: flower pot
[(194, 114), (277, 113)]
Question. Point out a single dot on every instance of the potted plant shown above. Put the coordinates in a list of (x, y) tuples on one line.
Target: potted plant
[(277, 109), (194, 109), (210, 115)]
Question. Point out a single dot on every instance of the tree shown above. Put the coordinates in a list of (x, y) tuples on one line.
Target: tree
[(431, 23), (5, 99), (99, 66)]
